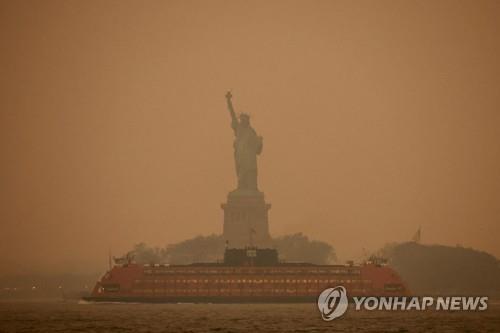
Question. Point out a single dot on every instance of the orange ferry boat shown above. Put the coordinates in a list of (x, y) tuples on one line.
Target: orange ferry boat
[(249, 275)]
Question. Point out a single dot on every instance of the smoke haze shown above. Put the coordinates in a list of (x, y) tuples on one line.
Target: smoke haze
[(377, 118)]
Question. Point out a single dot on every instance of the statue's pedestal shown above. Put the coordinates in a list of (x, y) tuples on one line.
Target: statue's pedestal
[(246, 219)]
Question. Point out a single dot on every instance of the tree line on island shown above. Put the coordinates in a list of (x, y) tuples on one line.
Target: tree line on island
[(291, 248), (444, 270)]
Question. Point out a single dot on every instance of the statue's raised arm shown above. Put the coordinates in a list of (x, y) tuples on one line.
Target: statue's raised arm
[(247, 145), (234, 119)]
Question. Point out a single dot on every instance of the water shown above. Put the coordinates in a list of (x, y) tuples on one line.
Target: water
[(88, 317)]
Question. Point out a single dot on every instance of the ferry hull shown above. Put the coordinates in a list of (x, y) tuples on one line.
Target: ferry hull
[(206, 299)]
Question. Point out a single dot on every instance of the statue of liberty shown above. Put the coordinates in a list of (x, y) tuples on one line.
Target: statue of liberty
[(247, 145)]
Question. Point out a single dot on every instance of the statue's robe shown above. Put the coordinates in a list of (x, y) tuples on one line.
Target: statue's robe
[(247, 145)]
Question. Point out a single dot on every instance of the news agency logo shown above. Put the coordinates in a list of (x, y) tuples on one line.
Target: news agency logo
[(333, 303)]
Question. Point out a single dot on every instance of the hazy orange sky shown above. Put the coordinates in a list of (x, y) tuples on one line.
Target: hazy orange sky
[(378, 117)]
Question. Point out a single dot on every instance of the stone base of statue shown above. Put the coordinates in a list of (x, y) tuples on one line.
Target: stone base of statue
[(246, 219)]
